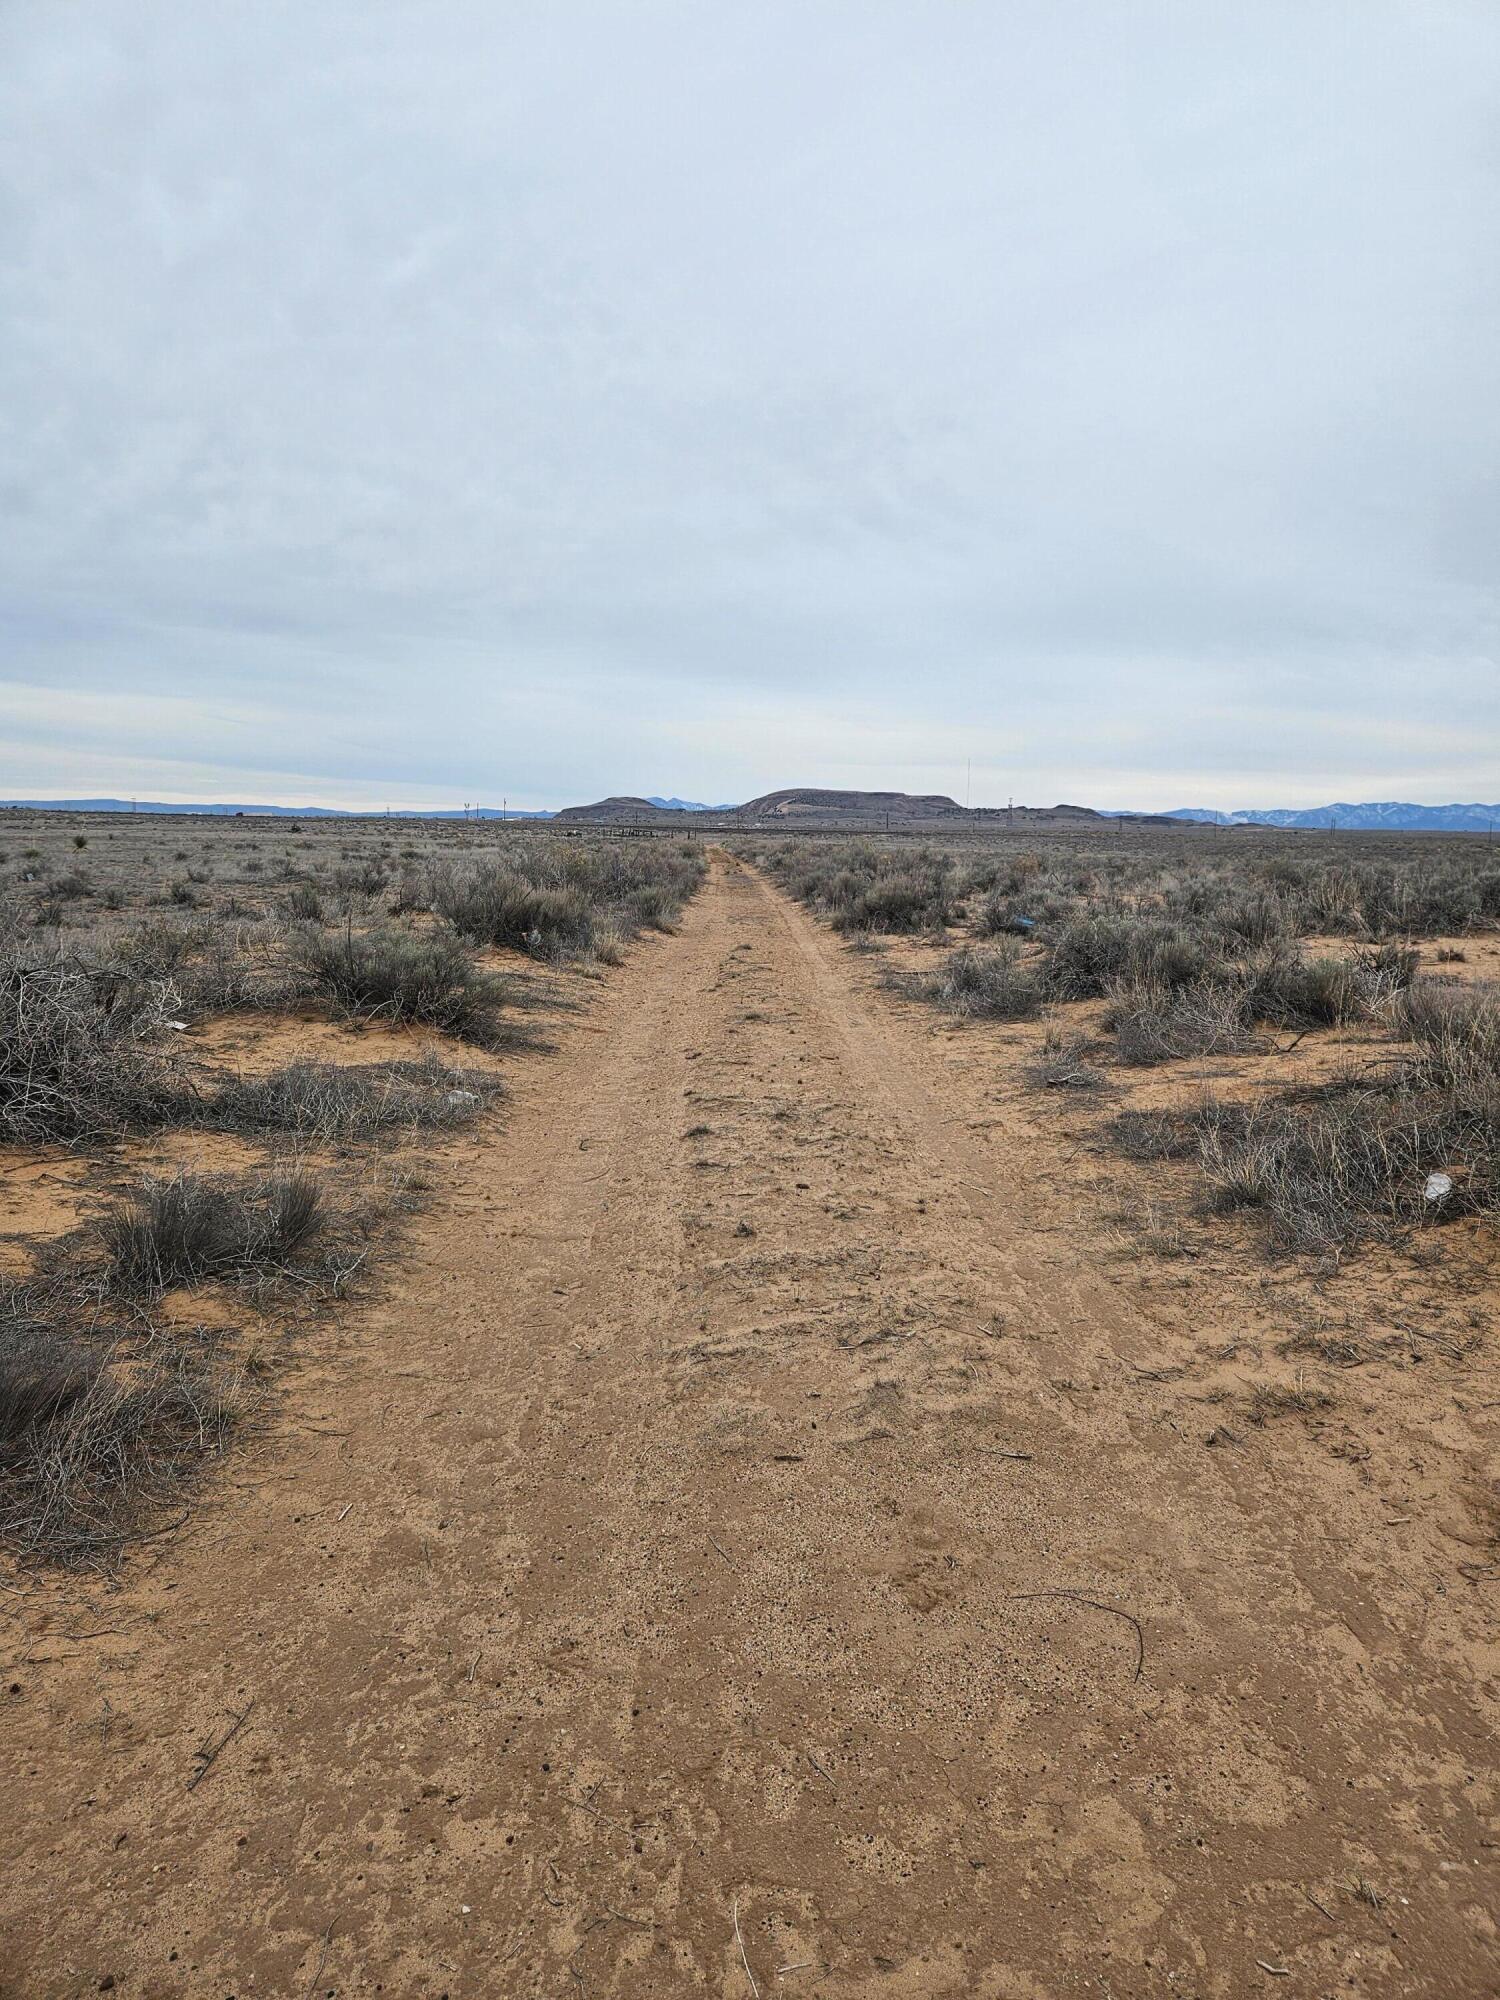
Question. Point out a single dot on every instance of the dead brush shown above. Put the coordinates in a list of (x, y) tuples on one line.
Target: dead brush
[(1064, 1062), (1154, 1135), (345, 1101), (1269, 1401), (77, 1059), (1163, 1024)]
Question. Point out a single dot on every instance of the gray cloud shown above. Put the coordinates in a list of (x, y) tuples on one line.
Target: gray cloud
[(429, 403)]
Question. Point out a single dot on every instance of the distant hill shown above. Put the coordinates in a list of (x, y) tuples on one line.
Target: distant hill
[(808, 806), (685, 805), (807, 803), (271, 812), (621, 808), (827, 811), (1392, 816)]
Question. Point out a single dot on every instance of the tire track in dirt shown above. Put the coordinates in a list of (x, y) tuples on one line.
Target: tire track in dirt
[(689, 1580)]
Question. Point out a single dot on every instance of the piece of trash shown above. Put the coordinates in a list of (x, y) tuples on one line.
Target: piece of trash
[(180, 1026), (1438, 1187), (1020, 926), (462, 1100)]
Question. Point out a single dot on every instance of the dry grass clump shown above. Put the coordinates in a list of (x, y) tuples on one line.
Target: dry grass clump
[(988, 981), (336, 1100), (97, 1439), (194, 1226), (1270, 1401)]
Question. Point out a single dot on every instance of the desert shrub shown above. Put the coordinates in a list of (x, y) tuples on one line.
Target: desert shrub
[(1162, 1024), (360, 878), (986, 980), (69, 888), (404, 976), (331, 1100), (915, 898), (1294, 991), (302, 904), (1090, 955), (1254, 917), (497, 907), (76, 1054), (1456, 1029), (862, 886), (205, 965), (197, 1226)]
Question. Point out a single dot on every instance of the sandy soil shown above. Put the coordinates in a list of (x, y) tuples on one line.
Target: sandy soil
[(760, 1543)]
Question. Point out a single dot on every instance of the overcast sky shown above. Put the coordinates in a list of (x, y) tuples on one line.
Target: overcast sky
[(435, 402)]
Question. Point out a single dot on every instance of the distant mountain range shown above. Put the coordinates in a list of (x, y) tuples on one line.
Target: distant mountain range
[(1392, 816), (871, 809), (318, 812), (684, 805), (273, 812)]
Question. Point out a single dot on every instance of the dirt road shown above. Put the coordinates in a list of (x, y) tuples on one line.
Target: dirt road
[(740, 1553)]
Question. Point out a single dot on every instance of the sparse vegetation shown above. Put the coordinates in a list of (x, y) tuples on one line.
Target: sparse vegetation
[(107, 981), (556, 900), (1355, 1159), (1163, 955)]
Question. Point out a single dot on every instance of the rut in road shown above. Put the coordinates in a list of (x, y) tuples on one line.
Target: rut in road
[(752, 1567)]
